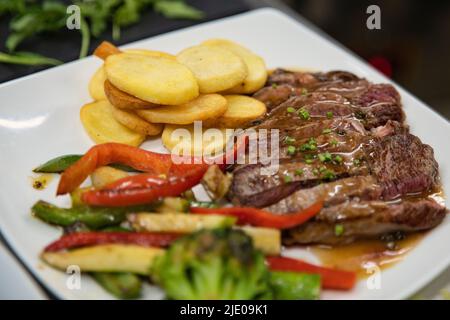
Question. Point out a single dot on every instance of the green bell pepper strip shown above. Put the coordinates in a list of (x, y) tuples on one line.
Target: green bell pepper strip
[(295, 286), (60, 164), (93, 218), (121, 285)]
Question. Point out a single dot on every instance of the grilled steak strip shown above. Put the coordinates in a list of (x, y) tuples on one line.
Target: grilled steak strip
[(366, 220), (380, 183)]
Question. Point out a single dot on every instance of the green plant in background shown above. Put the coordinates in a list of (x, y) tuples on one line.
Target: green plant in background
[(30, 18)]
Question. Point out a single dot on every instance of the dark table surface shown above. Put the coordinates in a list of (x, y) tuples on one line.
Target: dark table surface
[(65, 45)]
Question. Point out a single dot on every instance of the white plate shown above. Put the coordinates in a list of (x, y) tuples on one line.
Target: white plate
[(39, 119), (16, 283)]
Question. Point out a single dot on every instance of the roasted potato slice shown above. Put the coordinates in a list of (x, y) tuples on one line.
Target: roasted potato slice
[(157, 80), (123, 100), (99, 122), (96, 88), (208, 106), (240, 111), (215, 69), (151, 53), (185, 141), (132, 121), (257, 72)]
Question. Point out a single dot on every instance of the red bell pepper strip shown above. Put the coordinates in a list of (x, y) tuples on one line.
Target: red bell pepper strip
[(139, 159), (143, 188), (81, 239), (107, 153), (261, 218), (331, 278)]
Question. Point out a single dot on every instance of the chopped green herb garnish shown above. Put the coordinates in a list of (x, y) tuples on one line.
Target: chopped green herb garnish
[(360, 115), (329, 115), (304, 114), (291, 150), (338, 159), (338, 230), (304, 91), (308, 147), (289, 140), (299, 172), (274, 85), (326, 131), (322, 169), (325, 157), (356, 162), (315, 172), (290, 109), (334, 142), (328, 175), (287, 178), (309, 161)]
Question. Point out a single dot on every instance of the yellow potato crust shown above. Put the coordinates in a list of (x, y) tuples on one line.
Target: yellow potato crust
[(96, 89), (207, 106), (185, 142), (257, 71), (158, 80), (214, 68), (99, 123), (151, 53), (240, 111), (132, 121)]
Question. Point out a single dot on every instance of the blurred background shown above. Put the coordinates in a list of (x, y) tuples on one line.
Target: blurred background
[(412, 46)]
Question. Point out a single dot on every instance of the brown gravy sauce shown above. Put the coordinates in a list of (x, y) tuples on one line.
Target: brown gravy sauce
[(41, 181), (359, 256)]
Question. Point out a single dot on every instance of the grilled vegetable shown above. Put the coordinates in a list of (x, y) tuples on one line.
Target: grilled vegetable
[(216, 182), (108, 153), (103, 176), (93, 218), (143, 188), (176, 222), (105, 258), (331, 278), (173, 204), (265, 239), (295, 286), (83, 239), (213, 264), (258, 217), (60, 164), (121, 285)]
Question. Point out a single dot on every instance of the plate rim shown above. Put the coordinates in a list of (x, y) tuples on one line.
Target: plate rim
[(403, 293)]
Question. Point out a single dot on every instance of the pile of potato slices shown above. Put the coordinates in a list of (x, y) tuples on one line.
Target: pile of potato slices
[(142, 93)]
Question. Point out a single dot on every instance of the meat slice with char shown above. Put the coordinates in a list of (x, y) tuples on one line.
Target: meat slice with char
[(366, 220), (343, 141)]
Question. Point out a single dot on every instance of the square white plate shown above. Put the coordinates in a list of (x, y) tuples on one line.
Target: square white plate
[(39, 120)]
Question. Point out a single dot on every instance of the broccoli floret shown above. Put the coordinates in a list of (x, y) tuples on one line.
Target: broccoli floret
[(213, 264)]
